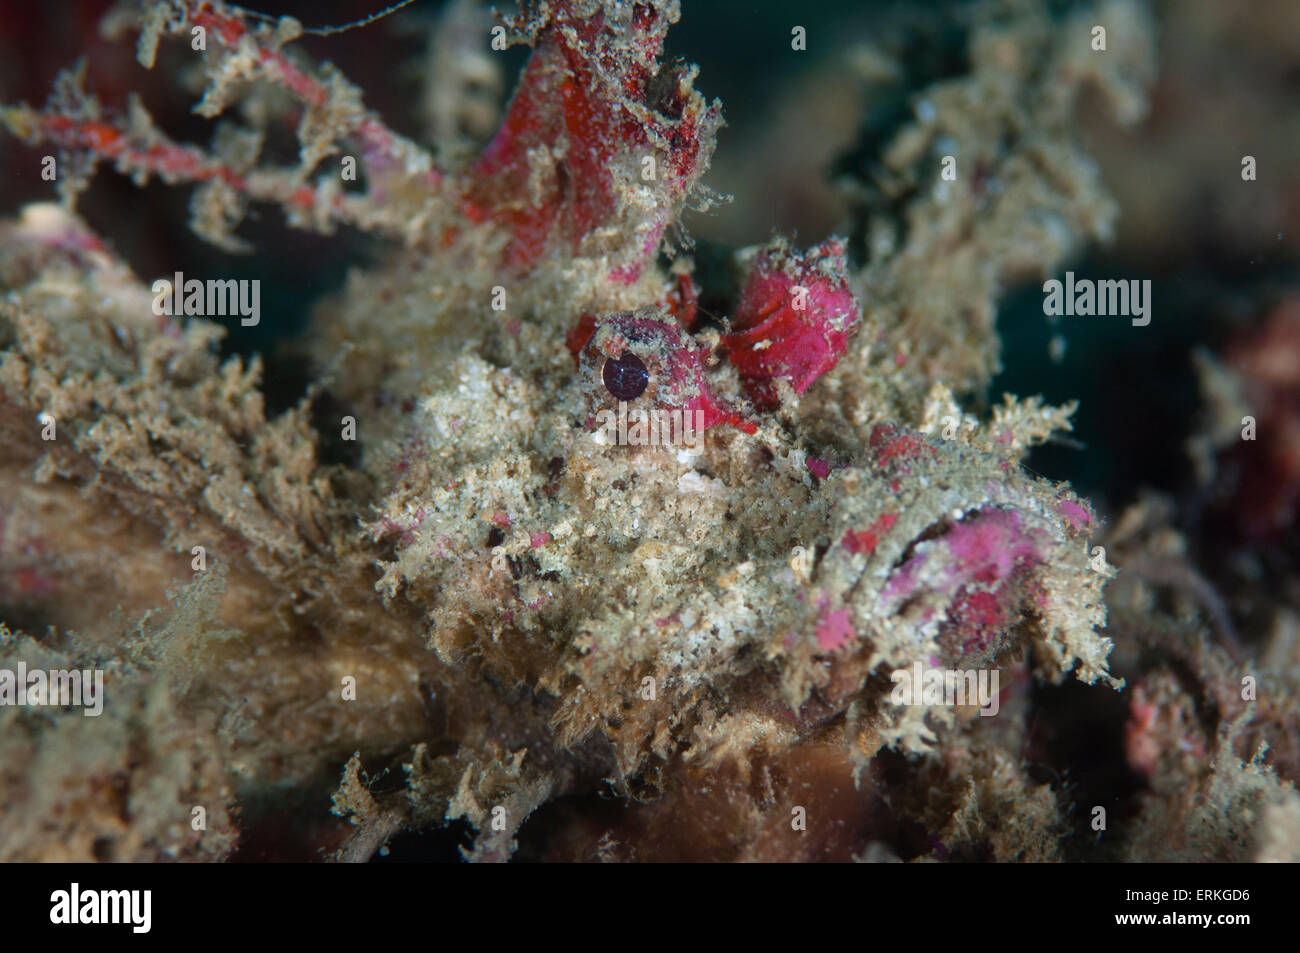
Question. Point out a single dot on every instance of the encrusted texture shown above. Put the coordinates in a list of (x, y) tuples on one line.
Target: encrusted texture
[(528, 610)]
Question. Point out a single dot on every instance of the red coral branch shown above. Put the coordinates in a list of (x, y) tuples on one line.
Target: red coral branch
[(231, 31), (72, 121), (158, 156)]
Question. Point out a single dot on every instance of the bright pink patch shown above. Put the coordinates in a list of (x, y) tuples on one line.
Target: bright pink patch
[(834, 629), (793, 320), (1074, 514), (539, 539), (988, 547), (501, 519), (820, 468)]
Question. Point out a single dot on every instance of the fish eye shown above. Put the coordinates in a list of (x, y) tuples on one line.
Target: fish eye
[(625, 378)]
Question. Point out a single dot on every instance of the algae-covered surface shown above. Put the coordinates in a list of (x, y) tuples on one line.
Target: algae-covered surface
[(571, 509)]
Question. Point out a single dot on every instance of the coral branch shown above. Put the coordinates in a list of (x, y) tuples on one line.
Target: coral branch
[(400, 175), (267, 61)]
